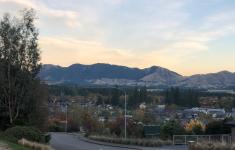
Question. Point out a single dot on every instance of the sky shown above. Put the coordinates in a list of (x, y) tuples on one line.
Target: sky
[(186, 36)]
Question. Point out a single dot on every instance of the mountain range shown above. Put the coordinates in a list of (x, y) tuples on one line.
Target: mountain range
[(108, 75)]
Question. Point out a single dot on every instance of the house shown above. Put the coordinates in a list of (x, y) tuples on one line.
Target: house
[(217, 113), (142, 106), (191, 113)]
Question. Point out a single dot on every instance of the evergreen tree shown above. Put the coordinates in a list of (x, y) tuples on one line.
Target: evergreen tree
[(115, 94)]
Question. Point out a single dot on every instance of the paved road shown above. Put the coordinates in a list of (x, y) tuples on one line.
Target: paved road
[(62, 141)]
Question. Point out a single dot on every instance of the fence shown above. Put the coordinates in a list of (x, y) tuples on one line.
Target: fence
[(184, 139)]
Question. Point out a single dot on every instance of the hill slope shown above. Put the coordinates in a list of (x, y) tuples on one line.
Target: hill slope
[(106, 74)]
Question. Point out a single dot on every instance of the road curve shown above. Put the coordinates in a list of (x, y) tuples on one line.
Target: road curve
[(63, 141)]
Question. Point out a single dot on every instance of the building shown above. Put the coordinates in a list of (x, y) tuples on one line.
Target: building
[(151, 131)]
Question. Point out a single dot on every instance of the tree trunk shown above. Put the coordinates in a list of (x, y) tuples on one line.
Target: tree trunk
[(9, 93)]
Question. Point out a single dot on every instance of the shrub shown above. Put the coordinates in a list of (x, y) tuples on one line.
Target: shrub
[(16, 133), (195, 127), (47, 138)]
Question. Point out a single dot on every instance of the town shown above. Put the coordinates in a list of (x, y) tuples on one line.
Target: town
[(117, 75), (151, 116)]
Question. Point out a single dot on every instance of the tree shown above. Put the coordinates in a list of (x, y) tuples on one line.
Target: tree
[(217, 127), (137, 96), (134, 129), (133, 99), (35, 111), (171, 128), (19, 61), (115, 97), (195, 127), (100, 100), (182, 97), (89, 121), (116, 126)]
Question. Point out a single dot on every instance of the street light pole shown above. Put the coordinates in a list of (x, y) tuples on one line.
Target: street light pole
[(66, 123), (125, 114)]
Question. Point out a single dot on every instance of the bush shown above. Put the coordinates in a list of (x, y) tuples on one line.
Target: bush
[(47, 138), (16, 133)]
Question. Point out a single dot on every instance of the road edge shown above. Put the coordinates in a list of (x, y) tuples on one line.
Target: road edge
[(81, 137)]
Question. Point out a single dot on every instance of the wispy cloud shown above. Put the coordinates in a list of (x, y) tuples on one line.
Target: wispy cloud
[(69, 50), (68, 17), (134, 33)]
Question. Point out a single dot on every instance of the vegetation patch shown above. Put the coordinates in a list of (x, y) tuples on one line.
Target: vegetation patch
[(138, 142), (211, 146), (4, 145), (30, 133), (34, 145)]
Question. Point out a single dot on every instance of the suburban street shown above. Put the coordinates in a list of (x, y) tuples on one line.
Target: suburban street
[(62, 141)]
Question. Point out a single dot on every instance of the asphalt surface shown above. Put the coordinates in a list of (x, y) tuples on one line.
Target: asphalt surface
[(63, 141)]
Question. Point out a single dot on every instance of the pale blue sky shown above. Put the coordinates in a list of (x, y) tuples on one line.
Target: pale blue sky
[(187, 36)]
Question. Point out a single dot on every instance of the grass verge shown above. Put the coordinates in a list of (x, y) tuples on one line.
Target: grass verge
[(12, 146), (34, 145), (211, 146), (137, 142)]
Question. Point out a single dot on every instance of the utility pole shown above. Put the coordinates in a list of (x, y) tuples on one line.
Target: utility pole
[(125, 114), (66, 123)]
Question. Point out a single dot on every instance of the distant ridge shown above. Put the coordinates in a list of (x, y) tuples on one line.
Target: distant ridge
[(107, 74)]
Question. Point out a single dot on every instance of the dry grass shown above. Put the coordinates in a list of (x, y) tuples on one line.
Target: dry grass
[(4, 147), (211, 146), (34, 145)]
